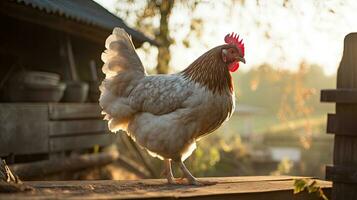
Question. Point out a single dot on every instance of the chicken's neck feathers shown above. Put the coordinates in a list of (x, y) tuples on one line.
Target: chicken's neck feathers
[(210, 71)]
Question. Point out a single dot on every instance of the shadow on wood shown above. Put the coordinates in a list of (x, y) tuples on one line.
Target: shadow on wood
[(242, 188)]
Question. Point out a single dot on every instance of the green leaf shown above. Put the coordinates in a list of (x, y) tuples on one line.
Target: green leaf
[(310, 185)]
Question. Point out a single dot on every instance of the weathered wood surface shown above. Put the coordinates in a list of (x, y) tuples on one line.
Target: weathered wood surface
[(74, 163), (23, 128), (242, 188), (80, 142), (65, 111), (73, 127), (29, 128), (343, 124), (342, 174)]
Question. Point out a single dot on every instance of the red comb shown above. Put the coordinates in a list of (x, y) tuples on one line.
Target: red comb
[(233, 38)]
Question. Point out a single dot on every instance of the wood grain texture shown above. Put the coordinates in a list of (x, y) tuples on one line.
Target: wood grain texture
[(23, 128), (341, 174), (75, 127), (29, 128), (242, 188), (81, 142), (65, 111), (74, 163)]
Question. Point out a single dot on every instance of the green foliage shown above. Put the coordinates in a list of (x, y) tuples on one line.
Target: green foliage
[(310, 186), (284, 167)]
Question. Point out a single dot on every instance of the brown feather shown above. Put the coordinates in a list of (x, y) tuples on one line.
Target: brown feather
[(210, 71)]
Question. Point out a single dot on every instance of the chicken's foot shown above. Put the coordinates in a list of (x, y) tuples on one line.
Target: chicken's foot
[(191, 179)]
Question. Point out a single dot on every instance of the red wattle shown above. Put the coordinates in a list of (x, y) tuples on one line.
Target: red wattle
[(233, 66)]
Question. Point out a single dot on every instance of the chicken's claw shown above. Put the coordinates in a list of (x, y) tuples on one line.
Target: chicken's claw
[(201, 183)]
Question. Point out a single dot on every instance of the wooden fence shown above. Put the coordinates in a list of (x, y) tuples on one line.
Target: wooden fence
[(48, 128), (343, 124)]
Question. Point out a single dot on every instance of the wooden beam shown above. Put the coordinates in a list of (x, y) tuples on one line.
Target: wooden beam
[(228, 188), (340, 95), (143, 158), (42, 168), (81, 141), (132, 167), (71, 60), (65, 111), (77, 127)]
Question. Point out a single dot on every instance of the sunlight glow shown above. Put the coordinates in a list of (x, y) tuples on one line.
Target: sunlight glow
[(310, 31)]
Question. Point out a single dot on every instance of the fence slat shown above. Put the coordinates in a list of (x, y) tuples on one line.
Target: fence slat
[(80, 142), (73, 127), (343, 95), (66, 111)]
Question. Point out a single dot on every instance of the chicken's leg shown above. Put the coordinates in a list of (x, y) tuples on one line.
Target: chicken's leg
[(190, 178), (187, 174), (168, 169)]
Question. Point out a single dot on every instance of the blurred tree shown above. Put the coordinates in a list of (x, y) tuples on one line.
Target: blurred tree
[(153, 18)]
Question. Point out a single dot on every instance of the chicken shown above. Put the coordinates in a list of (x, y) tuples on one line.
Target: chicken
[(167, 114)]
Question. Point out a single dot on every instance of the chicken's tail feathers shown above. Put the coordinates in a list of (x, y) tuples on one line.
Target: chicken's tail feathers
[(120, 54), (122, 68)]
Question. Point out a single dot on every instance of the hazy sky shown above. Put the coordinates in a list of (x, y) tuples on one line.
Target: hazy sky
[(310, 30)]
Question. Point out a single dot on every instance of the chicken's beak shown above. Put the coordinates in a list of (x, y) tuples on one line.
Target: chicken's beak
[(240, 59)]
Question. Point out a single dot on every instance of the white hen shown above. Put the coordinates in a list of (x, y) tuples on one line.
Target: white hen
[(167, 114)]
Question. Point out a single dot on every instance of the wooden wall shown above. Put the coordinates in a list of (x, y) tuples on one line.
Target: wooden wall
[(41, 128)]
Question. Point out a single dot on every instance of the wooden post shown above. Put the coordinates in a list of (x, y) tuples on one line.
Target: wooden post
[(343, 124)]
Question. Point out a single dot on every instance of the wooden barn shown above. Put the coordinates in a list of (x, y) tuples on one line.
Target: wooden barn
[(49, 67)]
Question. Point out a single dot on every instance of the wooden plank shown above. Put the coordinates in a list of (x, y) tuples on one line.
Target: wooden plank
[(81, 141), (64, 111), (73, 163), (24, 128), (342, 124), (242, 188), (342, 174), (75, 127), (341, 95), (345, 150)]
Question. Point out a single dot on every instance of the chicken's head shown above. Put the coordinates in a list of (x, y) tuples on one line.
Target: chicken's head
[(233, 52)]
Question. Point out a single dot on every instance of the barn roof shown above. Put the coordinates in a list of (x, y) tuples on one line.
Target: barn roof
[(84, 11)]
